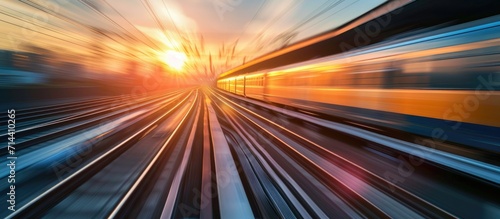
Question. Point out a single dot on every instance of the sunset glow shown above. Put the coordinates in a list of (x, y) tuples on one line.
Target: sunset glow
[(174, 59)]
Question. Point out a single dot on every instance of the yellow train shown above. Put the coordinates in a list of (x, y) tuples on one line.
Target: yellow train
[(442, 84)]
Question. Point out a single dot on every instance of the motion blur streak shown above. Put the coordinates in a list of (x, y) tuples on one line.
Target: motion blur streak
[(250, 109)]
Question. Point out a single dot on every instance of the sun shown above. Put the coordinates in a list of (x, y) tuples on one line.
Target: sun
[(174, 59)]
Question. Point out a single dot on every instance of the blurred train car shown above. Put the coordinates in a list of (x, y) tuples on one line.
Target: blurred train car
[(442, 84)]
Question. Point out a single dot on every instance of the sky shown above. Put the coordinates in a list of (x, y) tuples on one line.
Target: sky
[(207, 36)]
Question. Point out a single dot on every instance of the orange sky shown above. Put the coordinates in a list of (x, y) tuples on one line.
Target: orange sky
[(214, 35)]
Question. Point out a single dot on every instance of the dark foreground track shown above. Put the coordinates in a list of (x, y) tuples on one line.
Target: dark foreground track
[(203, 153)]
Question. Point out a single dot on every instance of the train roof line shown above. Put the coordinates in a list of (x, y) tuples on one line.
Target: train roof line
[(370, 15)]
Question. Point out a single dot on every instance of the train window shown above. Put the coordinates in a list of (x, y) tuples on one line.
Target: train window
[(298, 79), (321, 79), (279, 81), (369, 80), (253, 81), (370, 74), (417, 67), (334, 78), (346, 77)]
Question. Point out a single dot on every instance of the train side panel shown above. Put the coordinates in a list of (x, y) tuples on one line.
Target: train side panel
[(447, 81), (240, 85), (255, 86)]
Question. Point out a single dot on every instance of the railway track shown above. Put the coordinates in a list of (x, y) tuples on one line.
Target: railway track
[(366, 160), (198, 153), (334, 177), (63, 151), (38, 133)]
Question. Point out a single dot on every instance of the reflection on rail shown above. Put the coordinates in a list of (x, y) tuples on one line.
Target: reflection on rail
[(202, 152)]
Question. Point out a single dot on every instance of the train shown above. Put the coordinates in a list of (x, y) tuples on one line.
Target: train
[(442, 84)]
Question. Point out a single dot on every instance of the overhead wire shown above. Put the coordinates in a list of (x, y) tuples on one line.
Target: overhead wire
[(318, 11), (74, 22), (319, 21), (39, 25), (156, 19), (132, 25), (127, 33)]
